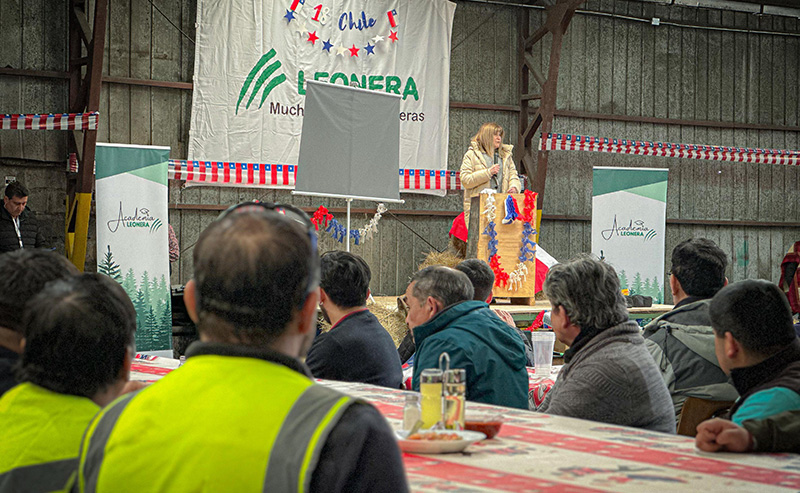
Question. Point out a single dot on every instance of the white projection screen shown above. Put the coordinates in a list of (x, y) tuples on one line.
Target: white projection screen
[(350, 145)]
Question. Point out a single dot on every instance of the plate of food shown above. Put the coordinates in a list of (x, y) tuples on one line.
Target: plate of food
[(437, 441)]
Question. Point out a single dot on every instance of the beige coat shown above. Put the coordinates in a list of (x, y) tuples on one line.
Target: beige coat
[(475, 173)]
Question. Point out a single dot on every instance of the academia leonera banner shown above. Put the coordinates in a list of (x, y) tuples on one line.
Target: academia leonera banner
[(628, 226), (253, 58), (132, 238)]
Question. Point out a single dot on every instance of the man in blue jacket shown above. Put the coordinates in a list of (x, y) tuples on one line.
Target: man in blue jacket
[(443, 318)]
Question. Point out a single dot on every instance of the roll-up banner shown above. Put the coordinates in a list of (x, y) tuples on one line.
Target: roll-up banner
[(132, 238), (628, 226)]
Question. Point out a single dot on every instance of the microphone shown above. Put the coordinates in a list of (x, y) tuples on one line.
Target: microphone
[(493, 182)]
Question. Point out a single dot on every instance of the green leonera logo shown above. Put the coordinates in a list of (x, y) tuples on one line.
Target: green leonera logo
[(261, 81), (156, 225)]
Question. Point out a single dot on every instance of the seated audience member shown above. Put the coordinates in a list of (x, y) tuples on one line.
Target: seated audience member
[(77, 357), (757, 346), (608, 374), (443, 318), (357, 348), (777, 433), (23, 273), (482, 279), (681, 340), (789, 281), (243, 413)]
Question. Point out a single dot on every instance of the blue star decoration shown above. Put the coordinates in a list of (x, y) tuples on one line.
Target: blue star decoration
[(370, 49), (289, 15), (327, 45)]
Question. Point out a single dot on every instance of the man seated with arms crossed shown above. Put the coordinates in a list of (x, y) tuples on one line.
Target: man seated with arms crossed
[(77, 357), (243, 413), (608, 374), (443, 318), (777, 433), (357, 348), (482, 279), (23, 273), (757, 346), (682, 341)]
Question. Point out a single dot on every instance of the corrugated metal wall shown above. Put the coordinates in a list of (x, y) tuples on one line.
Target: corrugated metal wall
[(609, 66)]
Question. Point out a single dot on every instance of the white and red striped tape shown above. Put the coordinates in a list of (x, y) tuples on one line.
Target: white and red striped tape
[(568, 142), (63, 121)]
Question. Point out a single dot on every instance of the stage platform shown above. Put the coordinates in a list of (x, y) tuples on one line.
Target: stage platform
[(524, 315)]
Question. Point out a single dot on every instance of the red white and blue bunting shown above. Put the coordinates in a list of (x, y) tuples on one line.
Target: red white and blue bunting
[(322, 218), (284, 175), (60, 121), (568, 142)]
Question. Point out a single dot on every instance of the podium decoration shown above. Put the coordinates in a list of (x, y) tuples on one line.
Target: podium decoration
[(513, 237)]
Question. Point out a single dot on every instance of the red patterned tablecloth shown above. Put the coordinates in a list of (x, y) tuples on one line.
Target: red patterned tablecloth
[(544, 453)]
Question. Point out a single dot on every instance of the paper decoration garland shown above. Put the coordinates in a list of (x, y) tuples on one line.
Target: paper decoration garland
[(321, 14), (323, 218), (527, 249)]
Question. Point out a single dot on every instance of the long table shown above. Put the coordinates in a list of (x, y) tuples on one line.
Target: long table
[(544, 453)]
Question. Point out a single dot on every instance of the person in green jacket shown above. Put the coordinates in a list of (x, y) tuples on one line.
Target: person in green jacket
[(77, 354), (778, 433), (443, 318)]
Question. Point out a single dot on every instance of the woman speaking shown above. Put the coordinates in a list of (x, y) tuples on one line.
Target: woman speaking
[(488, 164)]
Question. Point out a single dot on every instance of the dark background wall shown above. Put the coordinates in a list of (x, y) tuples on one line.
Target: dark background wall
[(690, 85)]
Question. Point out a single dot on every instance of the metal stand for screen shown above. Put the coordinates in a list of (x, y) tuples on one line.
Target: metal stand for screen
[(349, 199)]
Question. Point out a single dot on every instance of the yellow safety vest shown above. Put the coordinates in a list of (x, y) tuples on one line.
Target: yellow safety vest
[(40, 436), (218, 423)]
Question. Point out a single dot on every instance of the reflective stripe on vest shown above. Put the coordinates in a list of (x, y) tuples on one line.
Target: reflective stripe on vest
[(99, 432), (301, 438), (296, 448), (48, 476)]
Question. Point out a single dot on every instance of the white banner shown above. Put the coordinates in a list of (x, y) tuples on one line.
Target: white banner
[(132, 238), (629, 226), (254, 56)]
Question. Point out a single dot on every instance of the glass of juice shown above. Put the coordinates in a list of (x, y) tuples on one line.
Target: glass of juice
[(430, 386)]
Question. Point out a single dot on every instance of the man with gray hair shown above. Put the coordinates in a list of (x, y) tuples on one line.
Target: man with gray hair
[(609, 375), (443, 318)]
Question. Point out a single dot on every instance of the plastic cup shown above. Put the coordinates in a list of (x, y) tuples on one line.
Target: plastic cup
[(543, 343)]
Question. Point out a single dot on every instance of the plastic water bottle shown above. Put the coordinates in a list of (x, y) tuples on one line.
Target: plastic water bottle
[(183, 360)]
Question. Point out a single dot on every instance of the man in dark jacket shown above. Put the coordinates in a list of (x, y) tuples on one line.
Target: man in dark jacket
[(681, 341), (18, 225), (23, 274), (757, 346), (357, 348), (443, 318), (482, 279)]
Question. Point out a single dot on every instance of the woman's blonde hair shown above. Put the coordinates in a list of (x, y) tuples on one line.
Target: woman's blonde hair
[(485, 136)]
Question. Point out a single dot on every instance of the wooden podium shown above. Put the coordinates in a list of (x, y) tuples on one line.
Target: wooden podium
[(509, 240)]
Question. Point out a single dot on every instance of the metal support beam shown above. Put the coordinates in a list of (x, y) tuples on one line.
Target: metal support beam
[(84, 95), (536, 120)]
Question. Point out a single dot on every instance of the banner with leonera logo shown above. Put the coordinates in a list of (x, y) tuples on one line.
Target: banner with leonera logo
[(253, 58), (629, 207), (132, 239)]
